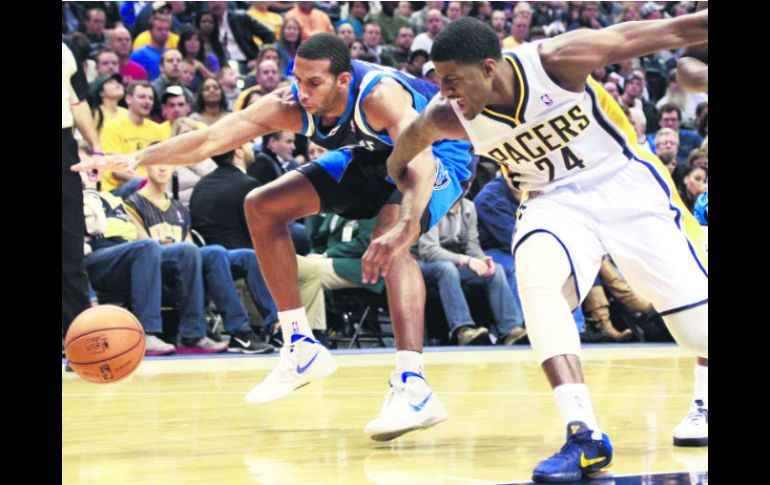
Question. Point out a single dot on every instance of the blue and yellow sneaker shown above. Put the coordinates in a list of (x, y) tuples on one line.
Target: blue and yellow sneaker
[(581, 457)]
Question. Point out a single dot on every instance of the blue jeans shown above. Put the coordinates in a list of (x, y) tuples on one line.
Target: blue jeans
[(449, 279), (139, 267), (219, 282), (505, 259), (243, 264)]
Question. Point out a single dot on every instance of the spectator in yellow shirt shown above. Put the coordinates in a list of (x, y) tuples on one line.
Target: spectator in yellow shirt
[(310, 18)]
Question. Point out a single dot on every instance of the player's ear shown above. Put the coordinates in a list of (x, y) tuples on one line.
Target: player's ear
[(344, 78), (488, 66)]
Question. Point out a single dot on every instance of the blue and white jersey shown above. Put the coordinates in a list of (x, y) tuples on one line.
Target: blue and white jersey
[(352, 130)]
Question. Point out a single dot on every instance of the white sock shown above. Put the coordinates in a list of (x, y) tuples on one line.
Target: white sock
[(701, 388), (294, 322), (409, 361), (575, 405)]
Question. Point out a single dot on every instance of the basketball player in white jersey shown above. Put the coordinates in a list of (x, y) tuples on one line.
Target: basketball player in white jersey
[(561, 138)]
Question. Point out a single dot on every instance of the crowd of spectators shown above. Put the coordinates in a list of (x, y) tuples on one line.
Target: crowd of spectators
[(160, 69)]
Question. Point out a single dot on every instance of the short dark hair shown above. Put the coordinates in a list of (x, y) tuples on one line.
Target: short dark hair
[(224, 158), (667, 108), (466, 41), (327, 46)]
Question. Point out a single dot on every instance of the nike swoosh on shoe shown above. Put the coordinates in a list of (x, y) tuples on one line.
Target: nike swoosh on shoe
[(302, 369), (418, 407), (246, 343)]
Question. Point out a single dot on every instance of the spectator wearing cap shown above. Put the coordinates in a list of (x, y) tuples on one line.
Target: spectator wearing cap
[(170, 74), (389, 21), (149, 56), (105, 92), (402, 47), (429, 73), (127, 133), (434, 22), (651, 11), (107, 63), (345, 31), (670, 117), (174, 105), (633, 87), (236, 32), (119, 41), (94, 30), (519, 32)]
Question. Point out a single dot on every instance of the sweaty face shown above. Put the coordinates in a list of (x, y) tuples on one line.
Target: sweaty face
[(319, 91), (466, 85)]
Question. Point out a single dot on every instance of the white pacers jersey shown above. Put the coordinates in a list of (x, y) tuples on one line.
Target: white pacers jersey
[(549, 136)]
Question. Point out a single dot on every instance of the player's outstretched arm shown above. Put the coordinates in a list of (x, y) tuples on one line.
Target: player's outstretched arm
[(274, 112), (692, 70), (571, 57)]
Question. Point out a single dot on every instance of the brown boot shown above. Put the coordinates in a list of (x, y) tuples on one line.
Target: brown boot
[(601, 318)]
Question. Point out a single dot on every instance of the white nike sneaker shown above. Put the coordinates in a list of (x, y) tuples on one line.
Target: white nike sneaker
[(694, 428), (300, 363), (409, 405)]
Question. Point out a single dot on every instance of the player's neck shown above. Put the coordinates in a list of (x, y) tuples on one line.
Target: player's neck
[(503, 88)]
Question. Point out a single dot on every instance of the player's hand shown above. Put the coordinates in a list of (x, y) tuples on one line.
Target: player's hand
[(381, 251), (116, 163)]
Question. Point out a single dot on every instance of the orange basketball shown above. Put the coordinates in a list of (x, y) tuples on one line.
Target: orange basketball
[(104, 344)]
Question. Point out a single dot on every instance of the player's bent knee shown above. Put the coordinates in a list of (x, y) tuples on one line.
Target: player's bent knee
[(690, 329)]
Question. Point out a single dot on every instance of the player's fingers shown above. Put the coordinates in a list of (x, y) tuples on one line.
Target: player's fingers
[(367, 262), (385, 258), (83, 166)]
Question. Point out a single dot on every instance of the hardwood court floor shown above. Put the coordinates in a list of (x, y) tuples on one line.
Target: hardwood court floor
[(184, 421)]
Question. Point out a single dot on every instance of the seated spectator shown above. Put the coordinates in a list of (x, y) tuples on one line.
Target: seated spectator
[(668, 159), (173, 10), (499, 23), (702, 119), (118, 261), (588, 17), (268, 79), (639, 122), (612, 88), (596, 306), (273, 21), (371, 38), (149, 55), (686, 102), (453, 11), (167, 221), (519, 32), (337, 246), (670, 116), (218, 216), (357, 49), (275, 159), (288, 43), (170, 74), (357, 12), (345, 32), (268, 52), (418, 19), (94, 23), (693, 185), (434, 21), (450, 255), (699, 158), (389, 21), (417, 59), (187, 74), (429, 73), (237, 30), (667, 140), (174, 105), (104, 95), (191, 48), (206, 24), (402, 46), (228, 79), (210, 103), (127, 133), (633, 97), (107, 63), (405, 9), (189, 175), (120, 43)]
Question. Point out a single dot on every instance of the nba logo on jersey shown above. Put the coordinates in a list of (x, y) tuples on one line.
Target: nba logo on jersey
[(294, 327), (546, 99)]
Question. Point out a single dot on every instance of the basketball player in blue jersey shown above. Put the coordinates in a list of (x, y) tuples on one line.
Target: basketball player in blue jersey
[(561, 138), (358, 110)]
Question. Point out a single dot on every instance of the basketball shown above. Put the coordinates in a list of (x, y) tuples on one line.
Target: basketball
[(105, 344)]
